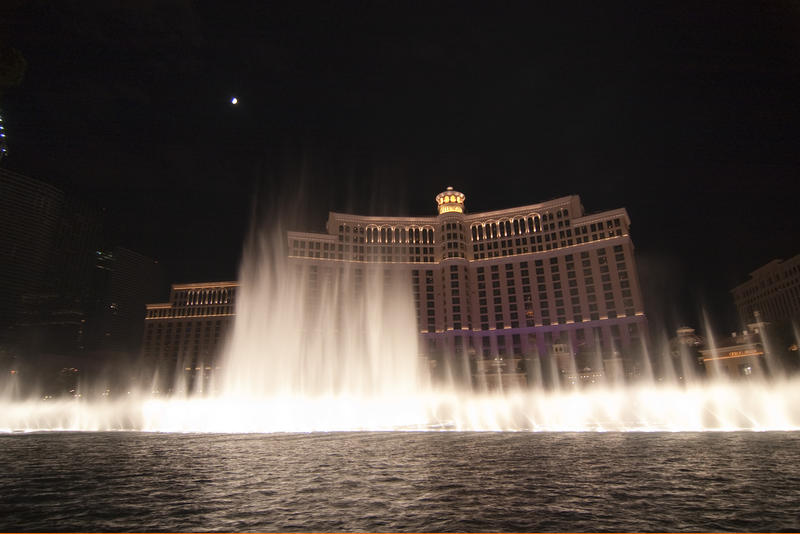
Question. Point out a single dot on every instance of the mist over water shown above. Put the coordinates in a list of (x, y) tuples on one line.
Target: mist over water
[(318, 349), (308, 332)]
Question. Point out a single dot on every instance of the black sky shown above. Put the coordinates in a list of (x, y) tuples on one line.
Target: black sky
[(684, 113)]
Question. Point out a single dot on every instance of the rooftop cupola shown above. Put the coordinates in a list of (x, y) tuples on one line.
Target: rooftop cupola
[(450, 201)]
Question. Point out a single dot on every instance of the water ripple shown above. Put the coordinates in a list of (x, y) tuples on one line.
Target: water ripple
[(400, 482)]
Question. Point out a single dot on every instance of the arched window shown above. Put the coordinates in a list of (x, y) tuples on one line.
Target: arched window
[(383, 235), (494, 230), (507, 224), (516, 226), (397, 235)]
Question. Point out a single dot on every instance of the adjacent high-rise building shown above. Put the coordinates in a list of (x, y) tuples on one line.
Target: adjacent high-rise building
[(124, 282), (773, 290), (30, 214), (496, 289), (47, 239), (65, 301)]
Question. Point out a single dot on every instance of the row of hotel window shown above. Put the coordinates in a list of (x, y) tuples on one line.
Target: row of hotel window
[(773, 283), (491, 249), (578, 311), (424, 234), (776, 307), (162, 337), (199, 297), (480, 231), (511, 247), (189, 311), (573, 340), (359, 253)]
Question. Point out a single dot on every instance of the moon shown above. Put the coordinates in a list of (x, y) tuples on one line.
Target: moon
[(234, 100)]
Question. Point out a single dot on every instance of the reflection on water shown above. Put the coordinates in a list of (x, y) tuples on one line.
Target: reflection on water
[(400, 482)]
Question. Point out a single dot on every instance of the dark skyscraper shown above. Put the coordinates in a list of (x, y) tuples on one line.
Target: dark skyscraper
[(47, 241), (124, 281), (30, 212)]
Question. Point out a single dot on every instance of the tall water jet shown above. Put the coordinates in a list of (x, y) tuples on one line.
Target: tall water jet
[(309, 331)]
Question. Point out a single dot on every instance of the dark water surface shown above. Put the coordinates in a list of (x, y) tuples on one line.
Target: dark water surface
[(400, 482)]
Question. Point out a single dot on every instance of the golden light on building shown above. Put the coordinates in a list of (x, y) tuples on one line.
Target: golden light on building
[(450, 201)]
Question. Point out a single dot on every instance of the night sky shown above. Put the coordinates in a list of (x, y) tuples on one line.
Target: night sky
[(686, 114)]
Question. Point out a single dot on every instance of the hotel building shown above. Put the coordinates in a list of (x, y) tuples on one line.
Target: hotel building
[(188, 330), (496, 289), (773, 290)]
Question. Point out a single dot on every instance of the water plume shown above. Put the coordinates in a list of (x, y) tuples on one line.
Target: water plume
[(336, 349)]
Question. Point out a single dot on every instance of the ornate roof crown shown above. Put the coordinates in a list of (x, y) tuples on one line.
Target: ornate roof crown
[(450, 201)]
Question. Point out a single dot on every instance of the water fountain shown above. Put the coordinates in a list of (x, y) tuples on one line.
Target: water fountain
[(340, 353)]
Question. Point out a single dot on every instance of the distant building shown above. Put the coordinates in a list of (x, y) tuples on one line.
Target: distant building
[(30, 212), (124, 282), (183, 337), (65, 302), (738, 355), (47, 241), (773, 290), (494, 291), (685, 352)]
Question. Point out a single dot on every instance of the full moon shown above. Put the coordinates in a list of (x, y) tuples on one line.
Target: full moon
[(234, 100)]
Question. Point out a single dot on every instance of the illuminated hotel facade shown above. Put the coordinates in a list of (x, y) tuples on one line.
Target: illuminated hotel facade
[(502, 287), (773, 290), (187, 332), (495, 289)]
